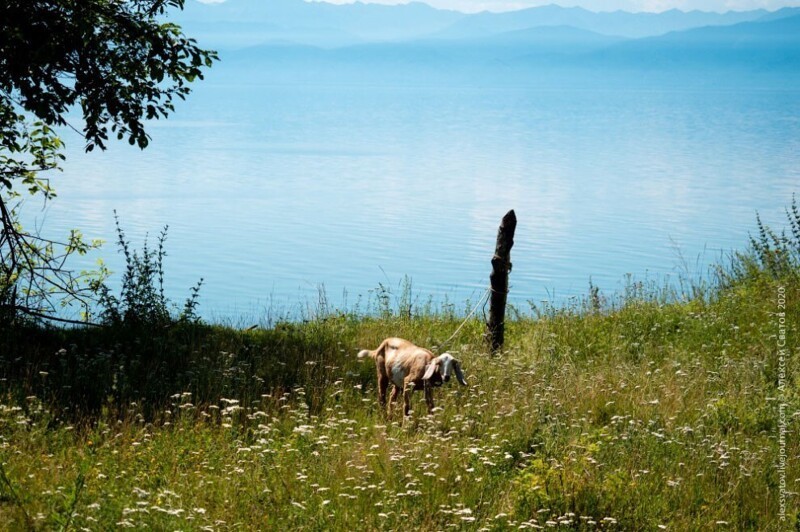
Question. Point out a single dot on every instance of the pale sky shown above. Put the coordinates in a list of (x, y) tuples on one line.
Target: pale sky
[(471, 6)]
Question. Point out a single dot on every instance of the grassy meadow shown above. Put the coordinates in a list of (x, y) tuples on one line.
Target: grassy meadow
[(657, 408)]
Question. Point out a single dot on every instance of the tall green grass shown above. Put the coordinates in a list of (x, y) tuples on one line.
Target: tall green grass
[(651, 409)]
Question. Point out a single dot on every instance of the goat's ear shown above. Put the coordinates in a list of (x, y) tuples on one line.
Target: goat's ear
[(459, 373), (430, 369)]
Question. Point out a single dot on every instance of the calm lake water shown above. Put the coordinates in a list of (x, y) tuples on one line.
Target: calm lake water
[(273, 191)]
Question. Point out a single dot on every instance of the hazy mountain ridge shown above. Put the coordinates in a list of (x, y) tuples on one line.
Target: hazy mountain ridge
[(779, 37), (774, 43), (769, 45), (243, 23), (618, 23), (220, 24)]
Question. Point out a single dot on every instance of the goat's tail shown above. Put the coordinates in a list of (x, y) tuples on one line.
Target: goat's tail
[(364, 353)]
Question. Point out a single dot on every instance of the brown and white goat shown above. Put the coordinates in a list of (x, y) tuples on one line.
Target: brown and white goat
[(409, 367)]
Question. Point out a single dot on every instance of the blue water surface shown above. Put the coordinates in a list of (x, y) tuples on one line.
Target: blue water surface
[(271, 191)]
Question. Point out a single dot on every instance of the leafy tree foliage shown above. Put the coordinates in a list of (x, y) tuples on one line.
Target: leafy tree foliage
[(116, 63)]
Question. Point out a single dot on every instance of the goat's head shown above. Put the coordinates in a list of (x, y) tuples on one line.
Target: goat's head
[(440, 369)]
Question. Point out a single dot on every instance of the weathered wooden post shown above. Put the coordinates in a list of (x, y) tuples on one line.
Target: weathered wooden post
[(501, 266)]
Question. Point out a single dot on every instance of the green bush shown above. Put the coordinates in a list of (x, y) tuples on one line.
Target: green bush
[(141, 302)]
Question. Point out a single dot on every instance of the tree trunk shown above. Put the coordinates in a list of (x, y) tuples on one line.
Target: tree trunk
[(501, 266)]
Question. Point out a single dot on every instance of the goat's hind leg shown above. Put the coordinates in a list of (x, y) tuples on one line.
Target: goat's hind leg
[(392, 399), (383, 384), (408, 389)]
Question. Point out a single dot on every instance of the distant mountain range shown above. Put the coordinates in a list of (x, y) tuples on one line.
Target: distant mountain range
[(618, 23), (296, 41), (241, 23), (236, 23), (773, 43)]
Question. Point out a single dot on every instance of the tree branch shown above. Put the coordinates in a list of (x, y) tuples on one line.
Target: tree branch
[(38, 314)]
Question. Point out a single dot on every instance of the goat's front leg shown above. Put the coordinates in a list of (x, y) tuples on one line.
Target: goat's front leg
[(429, 397)]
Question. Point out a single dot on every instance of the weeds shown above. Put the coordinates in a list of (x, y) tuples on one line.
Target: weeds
[(142, 302), (11, 496), (771, 254), (643, 411)]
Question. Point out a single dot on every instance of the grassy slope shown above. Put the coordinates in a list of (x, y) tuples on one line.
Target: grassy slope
[(644, 415)]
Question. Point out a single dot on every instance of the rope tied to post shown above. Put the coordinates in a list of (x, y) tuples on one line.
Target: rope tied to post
[(497, 292), (474, 309)]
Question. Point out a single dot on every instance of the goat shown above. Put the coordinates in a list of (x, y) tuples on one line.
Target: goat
[(410, 367)]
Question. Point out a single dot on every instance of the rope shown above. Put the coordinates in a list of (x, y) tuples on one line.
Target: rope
[(452, 336)]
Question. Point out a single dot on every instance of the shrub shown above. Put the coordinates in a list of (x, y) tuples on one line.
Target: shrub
[(142, 301)]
